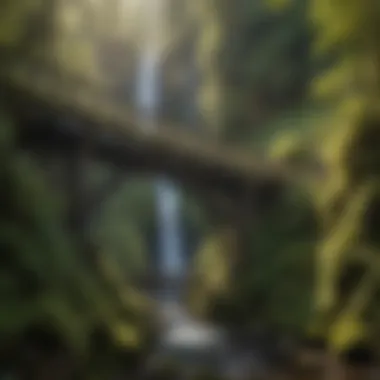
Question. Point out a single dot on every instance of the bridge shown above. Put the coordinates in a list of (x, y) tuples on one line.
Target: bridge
[(56, 114), (96, 126), (117, 135)]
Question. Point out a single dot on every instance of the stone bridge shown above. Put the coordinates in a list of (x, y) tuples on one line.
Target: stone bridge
[(61, 115)]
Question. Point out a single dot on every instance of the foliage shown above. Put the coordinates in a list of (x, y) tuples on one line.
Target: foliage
[(347, 203), (255, 64), (272, 284), (279, 273), (123, 224), (45, 277), (346, 199), (246, 97), (211, 269), (242, 44)]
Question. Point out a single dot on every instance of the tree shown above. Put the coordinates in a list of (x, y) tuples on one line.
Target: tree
[(347, 198), (242, 44), (349, 202)]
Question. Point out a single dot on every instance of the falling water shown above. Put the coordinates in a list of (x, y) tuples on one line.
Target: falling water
[(170, 250), (182, 333)]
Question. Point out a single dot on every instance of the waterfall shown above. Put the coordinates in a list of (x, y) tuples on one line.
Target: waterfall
[(148, 96), (181, 332)]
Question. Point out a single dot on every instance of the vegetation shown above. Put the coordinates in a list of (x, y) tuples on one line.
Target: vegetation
[(297, 81), (46, 279), (245, 96), (342, 206), (351, 190), (241, 45), (345, 200)]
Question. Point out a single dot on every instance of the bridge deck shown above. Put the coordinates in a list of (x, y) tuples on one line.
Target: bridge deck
[(119, 137)]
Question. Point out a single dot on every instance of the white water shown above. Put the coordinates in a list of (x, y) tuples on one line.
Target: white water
[(181, 333), (168, 199)]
